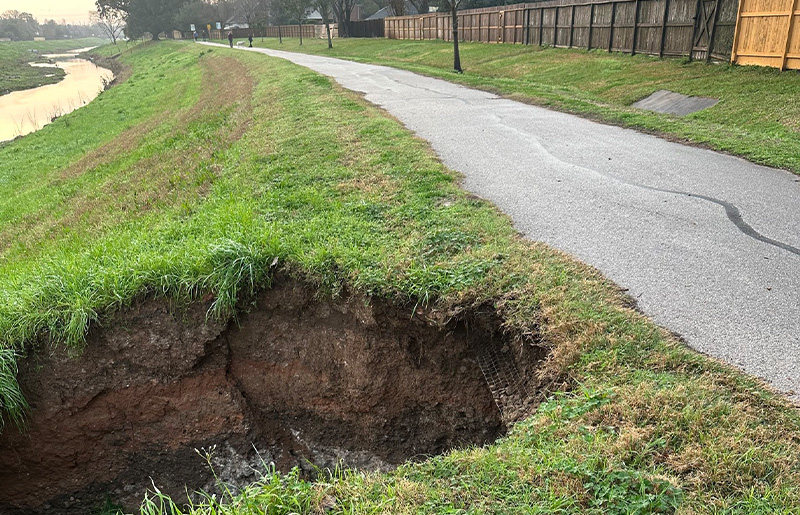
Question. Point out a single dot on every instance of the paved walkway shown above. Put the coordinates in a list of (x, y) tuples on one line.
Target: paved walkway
[(707, 244)]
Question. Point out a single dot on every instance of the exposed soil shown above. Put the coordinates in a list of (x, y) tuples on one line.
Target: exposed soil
[(301, 380)]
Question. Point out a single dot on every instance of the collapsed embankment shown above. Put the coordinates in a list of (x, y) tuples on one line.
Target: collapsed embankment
[(306, 382)]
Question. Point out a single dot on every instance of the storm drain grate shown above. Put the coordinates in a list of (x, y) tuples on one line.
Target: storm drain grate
[(502, 376)]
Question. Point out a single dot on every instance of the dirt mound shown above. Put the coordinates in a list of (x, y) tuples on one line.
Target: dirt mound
[(297, 381)]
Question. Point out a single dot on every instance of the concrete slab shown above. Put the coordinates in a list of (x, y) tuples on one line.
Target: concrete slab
[(669, 102)]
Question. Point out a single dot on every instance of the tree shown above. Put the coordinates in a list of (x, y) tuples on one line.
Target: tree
[(325, 10), (197, 13), (422, 6), (397, 7), (224, 10), (297, 11), (343, 9), (250, 11), (51, 30), (18, 25), (144, 16), (111, 22), (452, 6)]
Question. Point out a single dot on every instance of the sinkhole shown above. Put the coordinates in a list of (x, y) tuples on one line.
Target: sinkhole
[(295, 380)]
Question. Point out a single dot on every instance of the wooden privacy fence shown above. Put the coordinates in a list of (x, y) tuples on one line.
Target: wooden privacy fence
[(699, 29), (286, 31), (768, 33), (365, 29)]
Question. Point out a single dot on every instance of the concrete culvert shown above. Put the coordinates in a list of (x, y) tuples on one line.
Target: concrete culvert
[(295, 381)]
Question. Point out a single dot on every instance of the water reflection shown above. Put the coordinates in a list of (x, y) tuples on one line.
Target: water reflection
[(23, 112)]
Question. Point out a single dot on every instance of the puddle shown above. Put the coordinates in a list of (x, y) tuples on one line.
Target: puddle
[(23, 112)]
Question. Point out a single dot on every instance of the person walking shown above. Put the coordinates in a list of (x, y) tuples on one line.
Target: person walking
[(250, 39), (230, 38), (195, 36)]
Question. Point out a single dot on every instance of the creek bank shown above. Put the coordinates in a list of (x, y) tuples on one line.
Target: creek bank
[(296, 381)]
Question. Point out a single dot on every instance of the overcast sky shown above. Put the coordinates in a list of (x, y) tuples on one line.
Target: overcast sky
[(73, 11)]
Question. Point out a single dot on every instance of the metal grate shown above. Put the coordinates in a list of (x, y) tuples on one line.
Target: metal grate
[(503, 378)]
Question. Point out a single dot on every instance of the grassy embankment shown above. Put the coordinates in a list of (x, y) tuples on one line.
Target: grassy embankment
[(196, 184), (758, 116), (15, 71)]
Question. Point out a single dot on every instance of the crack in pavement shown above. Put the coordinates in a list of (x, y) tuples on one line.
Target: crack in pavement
[(731, 211)]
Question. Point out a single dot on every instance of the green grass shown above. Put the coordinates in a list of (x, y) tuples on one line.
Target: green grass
[(758, 116), (16, 72), (249, 166)]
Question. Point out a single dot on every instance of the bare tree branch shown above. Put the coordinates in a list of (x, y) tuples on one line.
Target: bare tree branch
[(111, 21)]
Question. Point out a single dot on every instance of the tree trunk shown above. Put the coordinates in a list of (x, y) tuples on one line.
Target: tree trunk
[(300, 26), (456, 55), (328, 29), (346, 12), (280, 38)]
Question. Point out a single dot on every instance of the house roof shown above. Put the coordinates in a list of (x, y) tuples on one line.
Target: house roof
[(387, 11)]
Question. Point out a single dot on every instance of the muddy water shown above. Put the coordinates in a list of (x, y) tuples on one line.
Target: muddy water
[(23, 112)]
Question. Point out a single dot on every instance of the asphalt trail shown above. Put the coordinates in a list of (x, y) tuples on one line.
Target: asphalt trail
[(707, 244)]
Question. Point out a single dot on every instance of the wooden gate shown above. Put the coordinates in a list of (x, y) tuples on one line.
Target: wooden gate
[(768, 33), (705, 24)]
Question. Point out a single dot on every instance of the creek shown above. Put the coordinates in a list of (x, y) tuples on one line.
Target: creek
[(26, 111)]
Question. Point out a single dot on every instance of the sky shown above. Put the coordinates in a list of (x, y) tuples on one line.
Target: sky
[(73, 11)]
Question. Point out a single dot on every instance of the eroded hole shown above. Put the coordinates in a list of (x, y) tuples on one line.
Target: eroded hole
[(297, 382)]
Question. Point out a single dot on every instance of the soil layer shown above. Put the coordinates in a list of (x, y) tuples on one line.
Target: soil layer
[(295, 381)]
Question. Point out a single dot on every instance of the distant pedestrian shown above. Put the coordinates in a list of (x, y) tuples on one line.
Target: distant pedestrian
[(230, 38), (250, 39), (195, 36)]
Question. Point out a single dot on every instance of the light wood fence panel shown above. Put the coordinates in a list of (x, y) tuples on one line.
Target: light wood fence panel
[(768, 33)]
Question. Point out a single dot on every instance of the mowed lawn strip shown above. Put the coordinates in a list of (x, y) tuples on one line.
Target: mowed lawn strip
[(16, 73), (247, 166), (758, 116)]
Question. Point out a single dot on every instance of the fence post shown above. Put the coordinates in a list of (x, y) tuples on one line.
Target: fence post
[(664, 30), (501, 21), (571, 25), (697, 8), (591, 26), (735, 46), (541, 24), (611, 28), (555, 29), (792, 8), (635, 26), (714, 32), (526, 35)]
